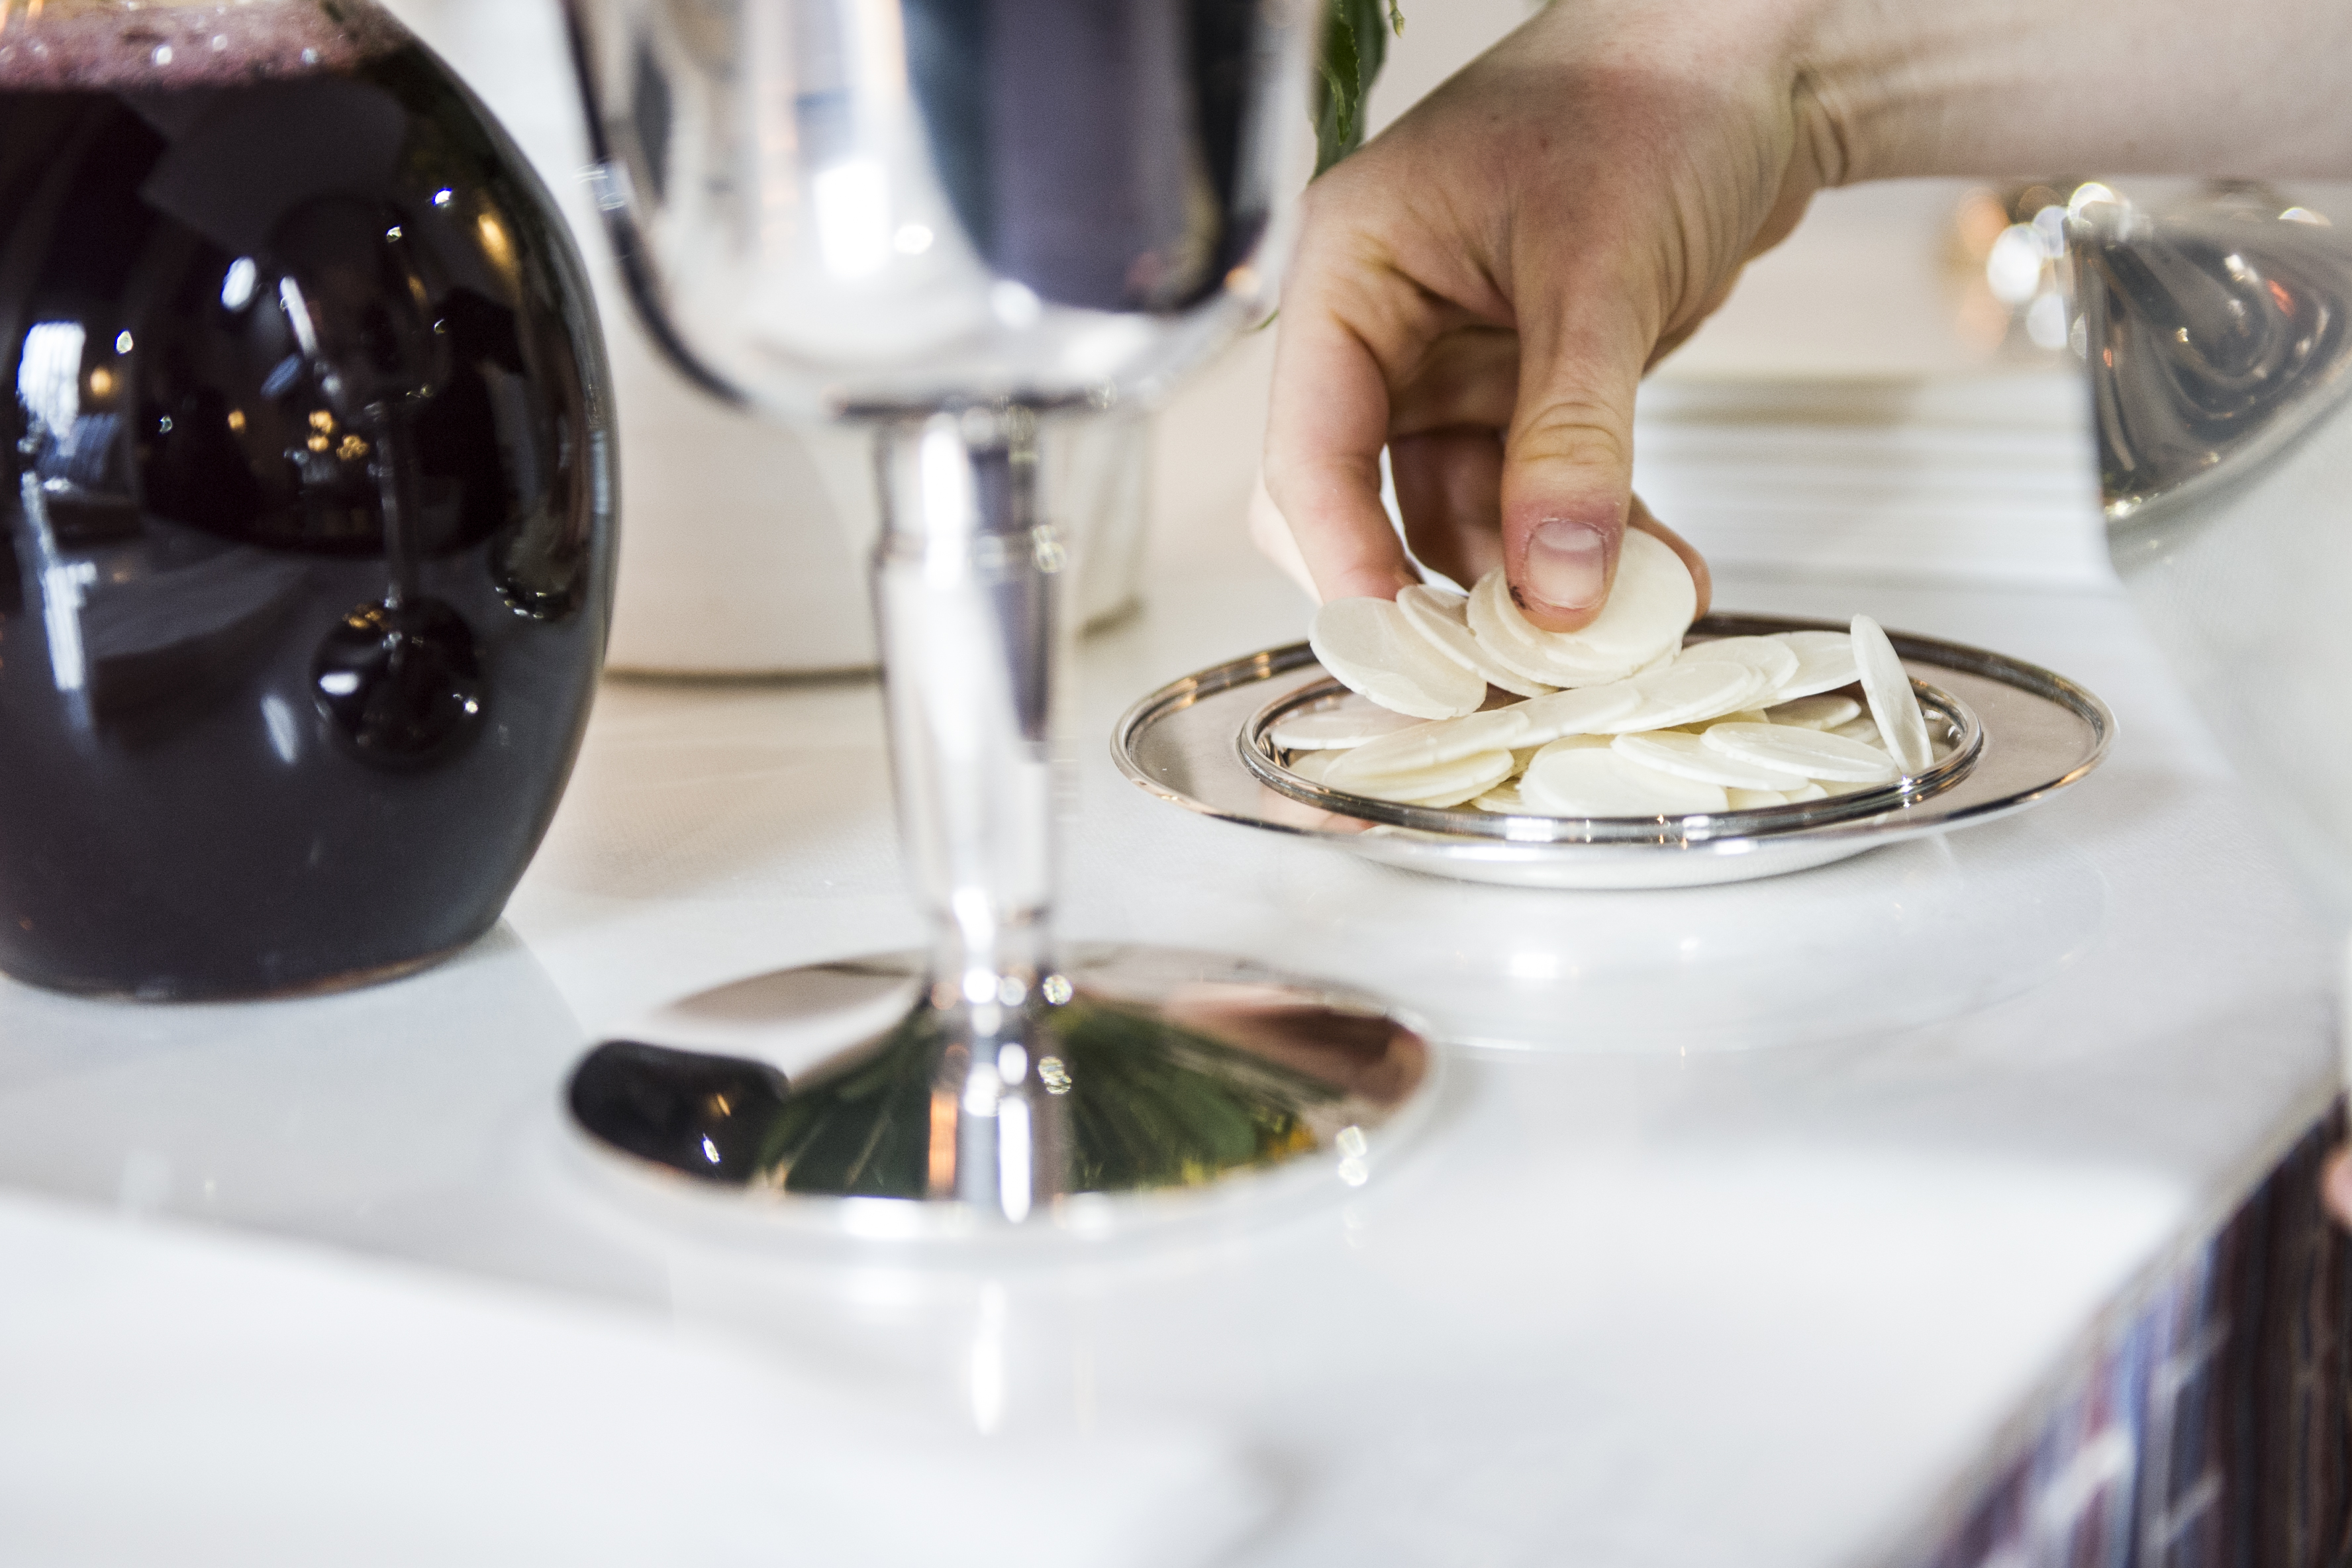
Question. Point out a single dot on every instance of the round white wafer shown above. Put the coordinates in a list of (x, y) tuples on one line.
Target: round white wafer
[(1683, 694), (1443, 618), (1371, 648), (1810, 753), (1815, 712), (1448, 783), (1312, 766), (1823, 642), (1887, 687), (1498, 641), (1644, 620), (1672, 652), (1775, 659), (1349, 722), (1507, 635), (1651, 605), (1580, 713), (1824, 663), (1567, 780), (1505, 798), (1811, 792), (1689, 756), (1755, 799), (1432, 744)]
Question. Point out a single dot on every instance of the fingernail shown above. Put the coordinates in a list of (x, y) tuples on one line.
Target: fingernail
[(1568, 564)]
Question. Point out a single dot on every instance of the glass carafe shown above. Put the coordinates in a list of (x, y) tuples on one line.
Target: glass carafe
[(305, 532)]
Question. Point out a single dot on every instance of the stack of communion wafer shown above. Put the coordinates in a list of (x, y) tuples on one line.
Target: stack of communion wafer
[(1618, 720)]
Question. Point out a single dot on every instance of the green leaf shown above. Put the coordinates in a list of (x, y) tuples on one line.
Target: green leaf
[(1355, 44)]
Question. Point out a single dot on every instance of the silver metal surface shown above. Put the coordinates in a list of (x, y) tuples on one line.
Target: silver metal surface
[(1134, 1083), (957, 219), (2218, 346), (2040, 734), (837, 206)]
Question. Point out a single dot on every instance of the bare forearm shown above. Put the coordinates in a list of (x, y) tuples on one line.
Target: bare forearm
[(2252, 88)]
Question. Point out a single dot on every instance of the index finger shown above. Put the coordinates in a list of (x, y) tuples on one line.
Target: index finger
[(1327, 424)]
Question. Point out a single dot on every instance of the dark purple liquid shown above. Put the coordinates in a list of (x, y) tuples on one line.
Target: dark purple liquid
[(305, 532)]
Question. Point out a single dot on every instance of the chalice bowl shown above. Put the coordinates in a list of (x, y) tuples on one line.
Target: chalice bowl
[(965, 223)]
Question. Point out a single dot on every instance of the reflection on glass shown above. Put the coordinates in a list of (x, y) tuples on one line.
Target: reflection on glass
[(304, 542)]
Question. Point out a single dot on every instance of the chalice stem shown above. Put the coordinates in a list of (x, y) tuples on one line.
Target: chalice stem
[(965, 587)]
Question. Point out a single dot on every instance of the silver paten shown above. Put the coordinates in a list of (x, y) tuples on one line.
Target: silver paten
[(2018, 733)]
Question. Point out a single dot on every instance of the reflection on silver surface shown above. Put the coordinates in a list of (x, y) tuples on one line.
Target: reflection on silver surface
[(829, 205), (959, 222), (1130, 1072), (2042, 732), (2216, 347)]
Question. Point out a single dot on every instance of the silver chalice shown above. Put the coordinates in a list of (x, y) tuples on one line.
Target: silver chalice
[(2217, 333), (963, 222)]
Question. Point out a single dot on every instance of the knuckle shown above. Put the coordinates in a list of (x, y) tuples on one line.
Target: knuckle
[(1573, 430)]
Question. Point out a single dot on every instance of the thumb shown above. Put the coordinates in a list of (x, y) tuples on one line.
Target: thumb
[(1568, 467)]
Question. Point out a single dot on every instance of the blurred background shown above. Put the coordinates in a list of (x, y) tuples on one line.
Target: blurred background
[(1890, 394)]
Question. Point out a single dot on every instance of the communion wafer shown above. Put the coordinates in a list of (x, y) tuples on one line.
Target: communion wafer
[(1448, 783), (1506, 647), (1815, 712), (1730, 715), (1431, 744), (1816, 642), (1824, 663), (1587, 781), (1312, 766), (1443, 618), (1371, 648), (1689, 756), (1504, 798), (1505, 633), (1810, 753), (1681, 693), (1580, 713), (1351, 722), (1651, 605), (1775, 659), (1886, 685), (1643, 619), (1562, 651)]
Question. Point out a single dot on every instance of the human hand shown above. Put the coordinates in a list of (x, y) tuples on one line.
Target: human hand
[(1481, 288)]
